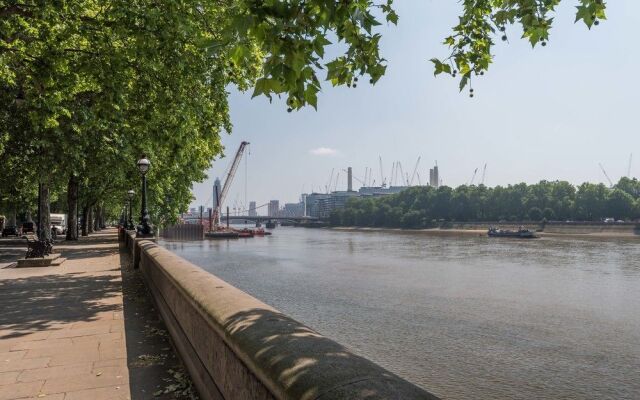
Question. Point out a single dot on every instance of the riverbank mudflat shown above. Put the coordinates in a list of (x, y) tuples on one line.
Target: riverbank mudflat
[(555, 230)]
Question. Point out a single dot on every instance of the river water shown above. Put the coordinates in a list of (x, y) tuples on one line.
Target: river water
[(465, 317)]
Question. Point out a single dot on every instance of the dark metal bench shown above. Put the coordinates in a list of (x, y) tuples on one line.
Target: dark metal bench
[(38, 248), (10, 231)]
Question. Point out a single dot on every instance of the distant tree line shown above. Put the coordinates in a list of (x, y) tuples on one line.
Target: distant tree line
[(425, 206)]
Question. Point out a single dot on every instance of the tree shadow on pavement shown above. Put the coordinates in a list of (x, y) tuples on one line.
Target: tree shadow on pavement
[(86, 253), (37, 303)]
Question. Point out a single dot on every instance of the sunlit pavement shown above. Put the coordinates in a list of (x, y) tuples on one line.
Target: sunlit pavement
[(76, 331)]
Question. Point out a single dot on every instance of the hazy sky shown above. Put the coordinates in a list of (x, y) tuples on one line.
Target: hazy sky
[(554, 112)]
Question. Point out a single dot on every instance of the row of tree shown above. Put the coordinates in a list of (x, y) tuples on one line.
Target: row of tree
[(87, 87), (426, 206)]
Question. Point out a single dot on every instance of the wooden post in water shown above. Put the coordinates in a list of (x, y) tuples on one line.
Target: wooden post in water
[(227, 217)]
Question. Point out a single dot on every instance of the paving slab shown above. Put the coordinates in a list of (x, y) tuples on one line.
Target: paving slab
[(20, 390), (54, 372), (9, 377), (81, 331)]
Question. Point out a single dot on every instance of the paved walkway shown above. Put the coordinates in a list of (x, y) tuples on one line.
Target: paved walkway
[(78, 331)]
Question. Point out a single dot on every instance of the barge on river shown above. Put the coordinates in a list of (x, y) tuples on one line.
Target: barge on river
[(519, 234), (231, 233)]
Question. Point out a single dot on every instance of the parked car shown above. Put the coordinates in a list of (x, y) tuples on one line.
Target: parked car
[(10, 231), (58, 229), (59, 223), (28, 227)]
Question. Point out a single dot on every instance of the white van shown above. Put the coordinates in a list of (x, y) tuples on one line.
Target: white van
[(59, 223)]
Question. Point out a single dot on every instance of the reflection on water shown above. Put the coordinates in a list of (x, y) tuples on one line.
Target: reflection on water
[(464, 317)]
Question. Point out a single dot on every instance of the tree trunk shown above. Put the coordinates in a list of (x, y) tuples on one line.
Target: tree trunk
[(99, 218), (85, 218), (44, 220), (102, 224), (11, 221), (96, 218), (72, 212), (90, 220)]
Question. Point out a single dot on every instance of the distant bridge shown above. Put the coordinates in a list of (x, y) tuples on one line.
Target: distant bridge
[(258, 218)]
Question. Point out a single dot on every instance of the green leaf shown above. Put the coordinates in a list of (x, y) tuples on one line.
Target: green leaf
[(392, 17), (463, 82), (311, 97)]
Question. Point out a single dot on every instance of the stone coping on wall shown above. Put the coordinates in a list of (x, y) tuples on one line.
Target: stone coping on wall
[(237, 347)]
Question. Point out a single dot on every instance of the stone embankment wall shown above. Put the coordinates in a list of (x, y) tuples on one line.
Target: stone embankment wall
[(236, 347), (557, 227), (585, 228), (485, 225)]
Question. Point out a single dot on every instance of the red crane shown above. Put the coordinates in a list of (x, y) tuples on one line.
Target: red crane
[(220, 197)]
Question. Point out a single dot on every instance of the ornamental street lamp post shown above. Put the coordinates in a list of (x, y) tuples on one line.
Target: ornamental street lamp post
[(144, 229), (123, 216), (129, 223)]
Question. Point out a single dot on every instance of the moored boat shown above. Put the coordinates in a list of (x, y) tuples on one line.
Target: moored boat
[(222, 235), (245, 233), (521, 233)]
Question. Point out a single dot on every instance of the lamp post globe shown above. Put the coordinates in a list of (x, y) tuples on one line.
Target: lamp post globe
[(143, 165), (129, 225), (144, 229)]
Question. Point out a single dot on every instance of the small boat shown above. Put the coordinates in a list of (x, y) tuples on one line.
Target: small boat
[(520, 233), (245, 233), (261, 232)]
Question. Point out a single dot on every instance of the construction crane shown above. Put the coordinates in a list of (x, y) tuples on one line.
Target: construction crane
[(391, 177), (415, 171), (473, 178), (335, 187), (328, 185), (355, 177), (382, 181), (220, 197), (484, 172), (401, 173), (605, 174)]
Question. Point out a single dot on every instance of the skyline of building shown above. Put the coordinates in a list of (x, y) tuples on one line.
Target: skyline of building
[(252, 209), (274, 208), (434, 176), (292, 210)]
